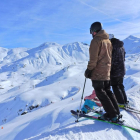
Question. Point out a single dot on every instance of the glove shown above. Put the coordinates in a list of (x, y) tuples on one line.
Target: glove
[(88, 73)]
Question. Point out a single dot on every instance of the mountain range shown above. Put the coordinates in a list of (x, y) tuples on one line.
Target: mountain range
[(39, 86)]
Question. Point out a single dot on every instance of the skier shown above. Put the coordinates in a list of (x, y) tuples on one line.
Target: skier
[(98, 70), (118, 71)]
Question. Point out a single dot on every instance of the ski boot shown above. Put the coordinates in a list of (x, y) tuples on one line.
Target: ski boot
[(117, 118), (121, 105), (104, 117)]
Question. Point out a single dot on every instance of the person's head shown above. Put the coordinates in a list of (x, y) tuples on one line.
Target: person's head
[(95, 28), (111, 36)]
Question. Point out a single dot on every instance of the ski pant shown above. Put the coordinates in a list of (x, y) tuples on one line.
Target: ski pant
[(118, 89), (106, 97)]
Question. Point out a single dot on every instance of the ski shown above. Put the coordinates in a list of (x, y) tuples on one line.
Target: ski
[(121, 123), (99, 113), (130, 109), (133, 108), (92, 110), (126, 109)]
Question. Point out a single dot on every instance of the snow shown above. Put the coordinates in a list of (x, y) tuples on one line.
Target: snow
[(46, 82)]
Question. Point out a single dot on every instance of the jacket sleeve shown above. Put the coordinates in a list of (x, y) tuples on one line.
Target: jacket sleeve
[(124, 55), (93, 54)]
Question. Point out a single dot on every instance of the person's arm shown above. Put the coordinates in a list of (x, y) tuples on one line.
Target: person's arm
[(93, 54), (124, 53)]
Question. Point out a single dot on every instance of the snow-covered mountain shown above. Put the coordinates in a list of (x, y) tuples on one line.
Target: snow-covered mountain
[(11, 55), (39, 87), (132, 44), (24, 77), (44, 55)]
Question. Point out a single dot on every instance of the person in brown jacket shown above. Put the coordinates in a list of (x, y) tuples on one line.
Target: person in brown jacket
[(98, 70)]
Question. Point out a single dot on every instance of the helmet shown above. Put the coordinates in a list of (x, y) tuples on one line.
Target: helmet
[(95, 27), (111, 36)]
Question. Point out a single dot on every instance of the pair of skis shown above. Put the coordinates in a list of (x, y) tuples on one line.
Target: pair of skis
[(120, 123), (128, 108)]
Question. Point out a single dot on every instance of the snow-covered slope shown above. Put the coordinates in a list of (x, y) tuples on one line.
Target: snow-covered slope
[(38, 90)]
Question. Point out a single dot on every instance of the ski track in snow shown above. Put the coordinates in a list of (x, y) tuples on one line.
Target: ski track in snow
[(55, 84)]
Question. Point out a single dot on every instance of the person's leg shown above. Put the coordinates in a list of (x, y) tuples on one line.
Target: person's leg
[(123, 90), (103, 97), (111, 96), (116, 86)]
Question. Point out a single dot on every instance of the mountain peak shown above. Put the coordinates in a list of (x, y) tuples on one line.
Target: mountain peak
[(131, 44), (132, 37), (49, 44)]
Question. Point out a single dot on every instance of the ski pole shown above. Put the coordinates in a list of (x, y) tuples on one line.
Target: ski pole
[(81, 100)]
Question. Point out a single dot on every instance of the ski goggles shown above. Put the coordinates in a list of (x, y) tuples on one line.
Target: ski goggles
[(91, 32)]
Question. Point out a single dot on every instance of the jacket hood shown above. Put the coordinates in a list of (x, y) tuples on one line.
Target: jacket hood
[(102, 34), (116, 42)]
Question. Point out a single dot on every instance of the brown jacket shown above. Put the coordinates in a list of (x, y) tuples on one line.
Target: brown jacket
[(100, 52)]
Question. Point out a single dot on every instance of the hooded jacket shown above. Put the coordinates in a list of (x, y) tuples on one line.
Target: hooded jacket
[(100, 53), (118, 58)]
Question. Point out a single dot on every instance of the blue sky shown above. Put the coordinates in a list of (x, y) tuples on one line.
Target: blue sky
[(29, 23)]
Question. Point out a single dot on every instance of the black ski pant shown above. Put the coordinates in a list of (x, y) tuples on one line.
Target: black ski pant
[(106, 97), (118, 89)]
